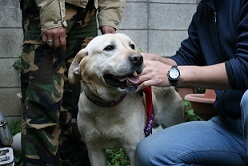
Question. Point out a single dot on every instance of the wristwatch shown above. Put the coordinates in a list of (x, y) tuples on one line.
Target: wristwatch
[(173, 75)]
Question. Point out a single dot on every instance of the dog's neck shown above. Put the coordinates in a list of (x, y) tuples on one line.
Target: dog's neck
[(100, 102)]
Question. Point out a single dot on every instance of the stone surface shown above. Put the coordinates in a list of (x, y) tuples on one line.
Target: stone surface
[(10, 104), (11, 42), (10, 14)]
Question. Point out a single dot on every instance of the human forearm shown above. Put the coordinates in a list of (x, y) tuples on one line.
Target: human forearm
[(212, 77), (155, 74)]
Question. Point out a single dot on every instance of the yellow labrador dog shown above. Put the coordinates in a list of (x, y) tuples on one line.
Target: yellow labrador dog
[(111, 113)]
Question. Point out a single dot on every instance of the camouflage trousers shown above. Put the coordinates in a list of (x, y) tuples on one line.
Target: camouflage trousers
[(49, 130)]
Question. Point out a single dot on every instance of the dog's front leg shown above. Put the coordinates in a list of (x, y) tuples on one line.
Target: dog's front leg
[(131, 155), (97, 157)]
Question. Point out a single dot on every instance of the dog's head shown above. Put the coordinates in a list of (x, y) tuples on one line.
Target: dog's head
[(108, 64)]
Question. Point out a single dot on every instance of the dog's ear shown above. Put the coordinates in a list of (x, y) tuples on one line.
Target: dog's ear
[(74, 69)]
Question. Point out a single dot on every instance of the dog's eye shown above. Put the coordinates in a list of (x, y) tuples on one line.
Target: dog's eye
[(132, 46), (109, 48)]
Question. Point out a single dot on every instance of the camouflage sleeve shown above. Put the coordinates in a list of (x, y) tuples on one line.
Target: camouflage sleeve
[(110, 12), (52, 13)]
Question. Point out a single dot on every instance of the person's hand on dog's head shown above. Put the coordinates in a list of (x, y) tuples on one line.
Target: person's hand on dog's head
[(153, 74)]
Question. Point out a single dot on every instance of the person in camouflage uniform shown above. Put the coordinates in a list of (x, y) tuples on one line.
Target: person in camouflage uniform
[(54, 31)]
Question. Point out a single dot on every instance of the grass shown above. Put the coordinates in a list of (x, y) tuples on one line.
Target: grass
[(117, 157)]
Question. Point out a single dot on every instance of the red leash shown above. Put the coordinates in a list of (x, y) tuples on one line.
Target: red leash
[(149, 111)]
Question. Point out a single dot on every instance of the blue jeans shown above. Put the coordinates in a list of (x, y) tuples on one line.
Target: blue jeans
[(218, 141), (244, 109)]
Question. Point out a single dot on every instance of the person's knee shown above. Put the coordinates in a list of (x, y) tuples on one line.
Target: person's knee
[(244, 100), (143, 154), (244, 106)]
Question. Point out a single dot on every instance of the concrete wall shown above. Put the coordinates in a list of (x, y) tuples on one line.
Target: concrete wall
[(156, 26), (10, 48)]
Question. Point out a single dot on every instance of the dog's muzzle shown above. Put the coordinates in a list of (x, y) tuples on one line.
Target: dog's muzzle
[(129, 80)]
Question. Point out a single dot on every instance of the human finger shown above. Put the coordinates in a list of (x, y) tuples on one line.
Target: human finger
[(56, 41), (107, 29), (47, 38), (49, 42), (145, 84), (63, 43), (44, 38)]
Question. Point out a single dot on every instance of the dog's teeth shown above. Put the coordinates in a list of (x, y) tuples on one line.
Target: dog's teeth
[(135, 74)]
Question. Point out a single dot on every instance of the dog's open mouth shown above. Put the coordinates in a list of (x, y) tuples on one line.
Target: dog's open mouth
[(128, 82)]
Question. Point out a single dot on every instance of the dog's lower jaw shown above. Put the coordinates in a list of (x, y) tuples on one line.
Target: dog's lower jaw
[(129, 89)]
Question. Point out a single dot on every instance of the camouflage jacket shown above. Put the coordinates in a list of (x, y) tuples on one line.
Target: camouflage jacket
[(52, 12)]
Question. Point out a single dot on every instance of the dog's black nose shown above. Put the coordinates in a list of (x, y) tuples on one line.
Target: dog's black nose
[(136, 59)]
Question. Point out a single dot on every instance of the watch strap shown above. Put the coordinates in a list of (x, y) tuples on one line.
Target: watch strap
[(173, 81)]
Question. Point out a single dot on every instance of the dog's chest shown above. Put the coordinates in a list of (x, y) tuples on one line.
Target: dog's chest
[(118, 123)]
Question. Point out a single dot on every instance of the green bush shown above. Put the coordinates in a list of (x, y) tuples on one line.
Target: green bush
[(189, 114), (117, 157)]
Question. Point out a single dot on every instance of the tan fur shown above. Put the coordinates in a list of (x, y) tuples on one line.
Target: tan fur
[(121, 125)]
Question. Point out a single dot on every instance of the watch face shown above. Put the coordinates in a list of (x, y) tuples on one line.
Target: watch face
[(174, 73)]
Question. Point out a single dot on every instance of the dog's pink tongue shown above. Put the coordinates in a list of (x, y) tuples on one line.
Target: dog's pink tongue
[(133, 80)]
